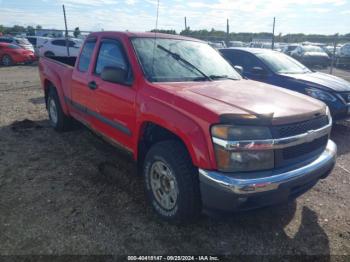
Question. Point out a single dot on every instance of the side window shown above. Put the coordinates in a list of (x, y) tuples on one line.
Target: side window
[(236, 59), (6, 40), (59, 42), (249, 61), (110, 54), (32, 40), (86, 54)]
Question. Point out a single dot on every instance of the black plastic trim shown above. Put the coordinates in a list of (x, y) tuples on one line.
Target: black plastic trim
[(120, 127)]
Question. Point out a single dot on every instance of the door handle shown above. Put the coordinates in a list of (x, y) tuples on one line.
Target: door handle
[(92, 85)]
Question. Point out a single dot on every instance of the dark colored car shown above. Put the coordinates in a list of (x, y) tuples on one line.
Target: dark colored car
[(281, 70), (11, 54), (311, 56)]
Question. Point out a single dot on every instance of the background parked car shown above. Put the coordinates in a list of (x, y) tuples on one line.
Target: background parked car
[(311, 56), (37, 42), (289, 48), (23, 42), (217, 45), (343, 56), (11, 54), (235, 44), (57, 47), (281, 70)]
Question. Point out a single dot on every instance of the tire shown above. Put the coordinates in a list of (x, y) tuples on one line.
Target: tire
[(58, 120), (49, 54), (6, 60), (181, 182)]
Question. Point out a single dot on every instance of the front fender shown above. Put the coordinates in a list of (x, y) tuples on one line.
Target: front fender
[(195, 135)]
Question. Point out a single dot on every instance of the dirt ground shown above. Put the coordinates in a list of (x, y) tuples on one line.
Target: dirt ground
[(72, 193)]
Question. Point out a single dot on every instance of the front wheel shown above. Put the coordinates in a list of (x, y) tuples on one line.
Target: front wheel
[(6, 60), (171, 182)]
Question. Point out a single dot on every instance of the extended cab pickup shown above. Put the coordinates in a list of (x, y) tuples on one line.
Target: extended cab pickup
[(204, 138)]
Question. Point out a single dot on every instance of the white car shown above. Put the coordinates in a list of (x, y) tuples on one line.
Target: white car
[(37, 42), (22, 42), (57, 47)]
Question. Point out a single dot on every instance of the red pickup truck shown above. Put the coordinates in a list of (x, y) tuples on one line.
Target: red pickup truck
[(203, 137)]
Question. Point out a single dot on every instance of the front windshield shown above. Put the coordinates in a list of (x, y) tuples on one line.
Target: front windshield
[(282, 64), (159, 65)]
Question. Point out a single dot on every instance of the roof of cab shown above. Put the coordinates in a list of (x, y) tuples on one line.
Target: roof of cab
[(144, 35)]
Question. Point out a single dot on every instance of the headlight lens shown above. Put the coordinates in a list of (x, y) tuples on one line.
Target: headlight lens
[(245, 160), (321, 95)]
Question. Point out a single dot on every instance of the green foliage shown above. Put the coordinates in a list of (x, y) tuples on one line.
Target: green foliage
[(171, 32), (18, 29), (214, 35), (76, 32), (30, 30)]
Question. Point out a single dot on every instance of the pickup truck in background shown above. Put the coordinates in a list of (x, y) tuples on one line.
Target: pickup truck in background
[(203, 137)]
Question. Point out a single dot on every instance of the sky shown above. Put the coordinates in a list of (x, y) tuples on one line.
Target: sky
[(292, 16)]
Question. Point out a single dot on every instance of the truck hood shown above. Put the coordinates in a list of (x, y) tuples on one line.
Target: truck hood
[(247, 97), (320, 80)]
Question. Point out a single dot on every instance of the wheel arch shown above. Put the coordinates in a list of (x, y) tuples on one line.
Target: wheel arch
[(150, 132)]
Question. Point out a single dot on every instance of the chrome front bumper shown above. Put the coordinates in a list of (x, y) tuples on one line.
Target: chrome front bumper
[(248, 186)]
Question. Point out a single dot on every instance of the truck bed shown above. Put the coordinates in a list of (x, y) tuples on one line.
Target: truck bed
[(67, 60), (59, 71)]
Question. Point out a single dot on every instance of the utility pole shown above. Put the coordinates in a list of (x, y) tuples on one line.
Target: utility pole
[(273, 33), (334, 53), (185, 23), (227, 32), (65, 22)]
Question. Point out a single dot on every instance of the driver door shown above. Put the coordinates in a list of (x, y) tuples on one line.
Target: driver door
[(114, 103)]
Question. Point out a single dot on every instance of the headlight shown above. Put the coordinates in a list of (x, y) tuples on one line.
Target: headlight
[(251, 158), (321, 95)]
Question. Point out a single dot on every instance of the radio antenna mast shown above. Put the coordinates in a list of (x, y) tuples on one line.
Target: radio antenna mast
[(155, 37)]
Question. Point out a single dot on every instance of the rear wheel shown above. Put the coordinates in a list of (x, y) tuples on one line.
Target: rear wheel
[(58, 120), (6, 60), (171, 182)]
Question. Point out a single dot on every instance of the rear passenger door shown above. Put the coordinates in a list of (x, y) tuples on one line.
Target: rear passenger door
[(114, 102)]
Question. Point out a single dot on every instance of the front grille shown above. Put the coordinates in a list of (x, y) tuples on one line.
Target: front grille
[(299, 128), (304, 149), (299, 153)]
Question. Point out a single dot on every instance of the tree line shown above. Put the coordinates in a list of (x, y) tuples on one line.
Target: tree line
[(29, 30), (216, 35), (210, 35)]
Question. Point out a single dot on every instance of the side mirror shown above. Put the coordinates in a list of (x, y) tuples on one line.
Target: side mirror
[(114, 74), (239, 69), (258, 71)]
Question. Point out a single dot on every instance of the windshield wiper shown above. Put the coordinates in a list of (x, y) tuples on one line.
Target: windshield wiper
[(221, 77), (177, 57)]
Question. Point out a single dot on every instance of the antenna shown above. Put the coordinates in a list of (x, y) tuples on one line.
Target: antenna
[(155, 36)]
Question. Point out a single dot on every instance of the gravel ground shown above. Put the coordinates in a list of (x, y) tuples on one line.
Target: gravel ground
[(72, 193)]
